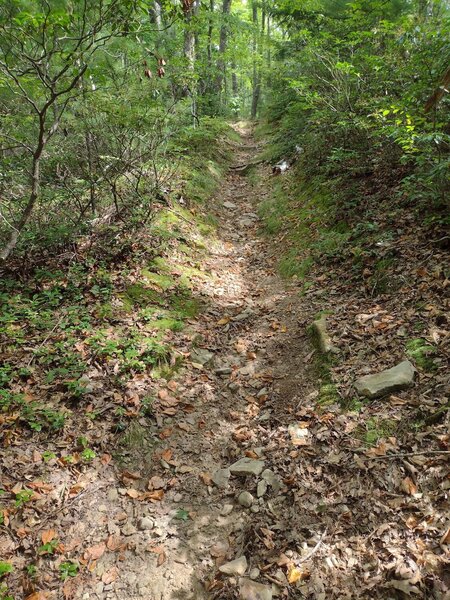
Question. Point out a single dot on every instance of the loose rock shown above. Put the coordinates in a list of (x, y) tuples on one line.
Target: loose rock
[(145, 523), (272, 480), (247, 466), (251, 590), (221, 477), (245, 499), (201, 356), (397, 378), (319, 329), (238, 566), (226, 510), (261, 488)]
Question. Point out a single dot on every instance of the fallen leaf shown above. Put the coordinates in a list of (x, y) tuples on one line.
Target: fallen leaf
[(95, 552), (295, 574), (114, 542), (132, 493), (37, 596), (47, 536), (110, 576), (206, 478), (157, 495), (409, 486)]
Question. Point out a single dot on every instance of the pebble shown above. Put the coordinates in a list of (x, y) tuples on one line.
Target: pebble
[(145, 523), (269, 476), (251, 590), (254, 573), (261, 488), (238, 566), (226, 510), (113, 495), (129, 529), (178, 498), (245, 499)]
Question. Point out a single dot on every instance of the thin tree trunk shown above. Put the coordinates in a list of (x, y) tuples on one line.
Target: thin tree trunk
[(223, 43), (210, 32), (34, 193), (256, 74)]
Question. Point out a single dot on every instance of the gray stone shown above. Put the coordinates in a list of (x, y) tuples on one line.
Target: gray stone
[(145, 523), (226, 510), (261, 488), (224, 371), (274, 482), (254, 573), (201, 356), (129, 529), (113, 494), (245, 499), (229, 205), (238, 566), (391, 380), (221, 477), (319, 329), (247, 466), (251, 590)]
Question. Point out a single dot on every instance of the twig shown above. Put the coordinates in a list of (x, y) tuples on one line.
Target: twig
[(400, 454), (46, 339), (314, 550)]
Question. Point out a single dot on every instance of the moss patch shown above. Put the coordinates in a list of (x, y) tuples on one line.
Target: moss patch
[(422, 353)]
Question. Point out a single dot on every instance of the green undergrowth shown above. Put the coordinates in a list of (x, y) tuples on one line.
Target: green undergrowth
[(304, 213), (116, 308)]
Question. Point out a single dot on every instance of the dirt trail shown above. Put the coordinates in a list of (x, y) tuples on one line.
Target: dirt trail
[(326, 518), (250, 327)]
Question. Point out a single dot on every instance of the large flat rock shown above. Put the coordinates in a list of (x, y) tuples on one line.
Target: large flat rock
[(391, 380), (247, 466)]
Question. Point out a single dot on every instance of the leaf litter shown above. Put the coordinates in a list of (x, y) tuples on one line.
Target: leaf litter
[(360, 509)]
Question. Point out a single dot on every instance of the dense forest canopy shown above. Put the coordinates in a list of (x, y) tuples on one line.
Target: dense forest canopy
[(92, 93)]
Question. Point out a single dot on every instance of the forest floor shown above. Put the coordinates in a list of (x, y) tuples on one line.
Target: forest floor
[(335, 508)]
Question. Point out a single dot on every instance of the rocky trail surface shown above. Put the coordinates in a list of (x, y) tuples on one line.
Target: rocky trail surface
[(249, 482)]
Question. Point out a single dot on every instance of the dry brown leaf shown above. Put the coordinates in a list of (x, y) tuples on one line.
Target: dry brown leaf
[(161, 559), (206, 478), (110, 576), (409, 486), (167, 454), (132, 493), (48, 535), (114, 542), (165, 433), (95, 552), (155, 496), (156, 483), (37, 596)]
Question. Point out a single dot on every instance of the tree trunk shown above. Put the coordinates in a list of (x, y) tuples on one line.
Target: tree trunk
[(210, 32), (34, 193), (223, 43), (256, 75)]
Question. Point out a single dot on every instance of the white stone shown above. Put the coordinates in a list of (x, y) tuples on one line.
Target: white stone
[(238, 566)]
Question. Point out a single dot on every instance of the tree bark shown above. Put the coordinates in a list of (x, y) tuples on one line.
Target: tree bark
[(256, 74), (223, 43)]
